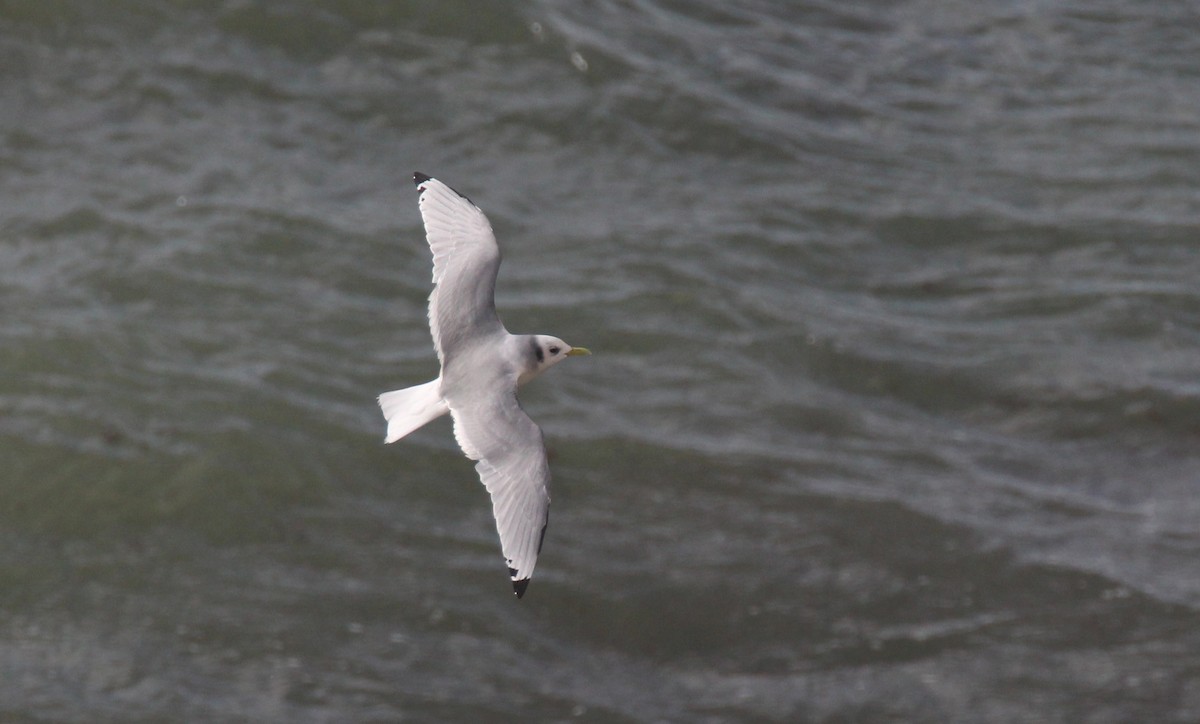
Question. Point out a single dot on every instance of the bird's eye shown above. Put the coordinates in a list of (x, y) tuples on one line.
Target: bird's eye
[(554, 350)]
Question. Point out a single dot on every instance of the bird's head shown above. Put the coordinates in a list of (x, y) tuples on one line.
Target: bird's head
[(548, 351)]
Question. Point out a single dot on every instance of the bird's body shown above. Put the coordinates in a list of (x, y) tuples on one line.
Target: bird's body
[(483, 366)]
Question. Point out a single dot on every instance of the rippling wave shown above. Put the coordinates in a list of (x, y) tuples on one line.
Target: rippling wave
[(891, 416)]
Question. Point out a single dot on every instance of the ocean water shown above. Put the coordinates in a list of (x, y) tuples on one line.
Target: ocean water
[(893, 413)]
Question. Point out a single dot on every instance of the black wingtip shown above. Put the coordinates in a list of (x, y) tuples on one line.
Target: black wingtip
[(520, 586), (420, 178)]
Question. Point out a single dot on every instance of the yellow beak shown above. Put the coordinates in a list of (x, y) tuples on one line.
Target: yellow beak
[(578, 351)]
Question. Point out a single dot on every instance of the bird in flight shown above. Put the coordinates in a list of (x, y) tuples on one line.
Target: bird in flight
[(482, 367)]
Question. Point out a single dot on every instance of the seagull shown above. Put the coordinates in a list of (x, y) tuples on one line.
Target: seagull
[(482, 367)]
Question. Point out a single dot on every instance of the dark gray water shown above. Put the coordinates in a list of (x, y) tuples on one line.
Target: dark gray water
[(894, 409)]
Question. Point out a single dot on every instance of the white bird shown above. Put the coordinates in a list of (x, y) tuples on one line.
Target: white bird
[(482, 368)]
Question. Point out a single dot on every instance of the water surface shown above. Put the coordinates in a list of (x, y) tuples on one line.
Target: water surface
[(892, 416)]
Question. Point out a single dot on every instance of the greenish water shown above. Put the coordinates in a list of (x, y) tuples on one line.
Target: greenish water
[(892, 414)]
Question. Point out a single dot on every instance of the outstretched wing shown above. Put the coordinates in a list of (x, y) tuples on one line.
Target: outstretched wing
[(465, 261), (512, 465)]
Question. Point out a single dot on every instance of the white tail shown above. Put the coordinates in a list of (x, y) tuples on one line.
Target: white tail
[(406, 410)]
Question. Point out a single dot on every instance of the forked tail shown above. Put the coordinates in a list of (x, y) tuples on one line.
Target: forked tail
[(406, 410)]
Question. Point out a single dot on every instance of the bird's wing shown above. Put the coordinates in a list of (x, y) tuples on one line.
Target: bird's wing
[(465, 260), (512, 466)]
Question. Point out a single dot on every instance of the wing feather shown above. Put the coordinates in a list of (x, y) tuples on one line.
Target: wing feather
[(466, 258), (511, 462)]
